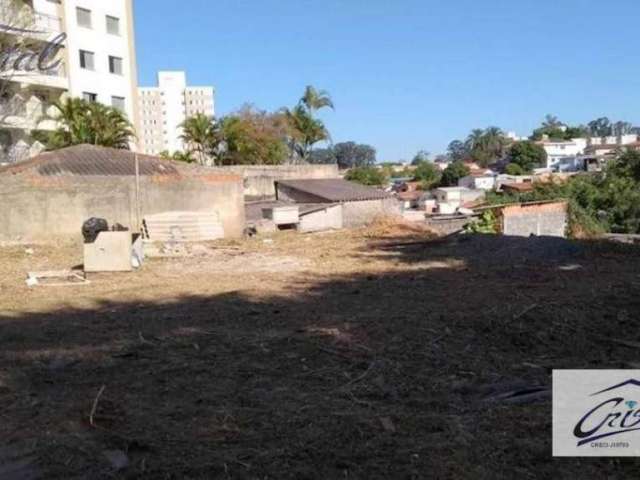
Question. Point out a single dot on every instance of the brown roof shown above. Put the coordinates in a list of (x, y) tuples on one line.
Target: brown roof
[(334, 189), (412, 195), (90, 160), (518, 187)]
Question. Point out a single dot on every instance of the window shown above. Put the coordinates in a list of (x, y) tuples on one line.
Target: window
[(118, 103), (90, 97), (113, 25), (84, 17), (115, 65), (87, 60)]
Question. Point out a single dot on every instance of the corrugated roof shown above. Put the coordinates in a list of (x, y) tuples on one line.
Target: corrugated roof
[(335, 189), (90, 160)]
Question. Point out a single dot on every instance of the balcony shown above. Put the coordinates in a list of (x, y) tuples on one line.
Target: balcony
[(14, 154), (55, 78), (43, 25)]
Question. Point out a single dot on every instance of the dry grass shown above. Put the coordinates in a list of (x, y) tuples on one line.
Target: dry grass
[(364, 354)]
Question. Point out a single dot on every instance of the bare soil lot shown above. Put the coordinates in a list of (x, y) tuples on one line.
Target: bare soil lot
[(372, 354)]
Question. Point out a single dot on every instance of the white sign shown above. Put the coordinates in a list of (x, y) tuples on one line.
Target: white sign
[(596, 413)]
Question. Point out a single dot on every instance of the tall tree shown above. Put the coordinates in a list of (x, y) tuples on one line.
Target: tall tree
[(305, 131), (421, 157), (254, 137), (315, 100), (199, 134), (351, 154), (457, 150), (551, 122)]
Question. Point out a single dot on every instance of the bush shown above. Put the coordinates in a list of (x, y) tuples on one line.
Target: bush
[(367, 176), (514, 169), (428, 174), (528, 155)]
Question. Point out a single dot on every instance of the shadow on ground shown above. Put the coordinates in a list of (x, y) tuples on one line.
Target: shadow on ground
[(367, 376)]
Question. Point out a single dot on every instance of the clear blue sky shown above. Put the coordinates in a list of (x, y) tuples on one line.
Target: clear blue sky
[(405, 74)]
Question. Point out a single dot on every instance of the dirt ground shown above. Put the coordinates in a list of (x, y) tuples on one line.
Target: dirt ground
[(374, 354)]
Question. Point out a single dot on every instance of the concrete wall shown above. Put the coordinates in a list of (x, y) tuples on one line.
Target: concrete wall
[(358, 214), (546, 219), (259, 179), (41, 209), (329, 218)]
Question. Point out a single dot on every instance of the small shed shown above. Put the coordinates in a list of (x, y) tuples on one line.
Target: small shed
[(52, 194), (360, 204)]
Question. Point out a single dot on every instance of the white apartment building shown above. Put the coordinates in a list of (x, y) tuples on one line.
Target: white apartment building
[(568, 155), (164, 108), (98, 64)]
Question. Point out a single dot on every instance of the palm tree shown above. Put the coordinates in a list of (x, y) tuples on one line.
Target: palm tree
[(316, 100), (475, 139), (306, 131), (82, 122), (199, 134)]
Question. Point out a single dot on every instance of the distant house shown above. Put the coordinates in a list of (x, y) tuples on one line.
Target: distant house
[(517, 187), (51, 195), (479, 180), (360, 204), (450, 199)]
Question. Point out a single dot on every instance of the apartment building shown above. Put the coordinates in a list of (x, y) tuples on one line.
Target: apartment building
[(98, 63), (164, 108)]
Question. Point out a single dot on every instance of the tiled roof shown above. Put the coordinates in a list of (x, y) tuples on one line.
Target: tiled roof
[(335, 190), (90, 160)]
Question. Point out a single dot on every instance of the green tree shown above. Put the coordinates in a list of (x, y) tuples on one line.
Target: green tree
[(454, 172), (199, 134), (366, 176), (254, 137), (421, 157), (457, 150), (81, 122), (427, 174), (528, 155), (315, 100), (352, 154), (514, 169), (305, 131)]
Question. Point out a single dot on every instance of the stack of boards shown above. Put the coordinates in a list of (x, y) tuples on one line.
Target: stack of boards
[(183, 227)]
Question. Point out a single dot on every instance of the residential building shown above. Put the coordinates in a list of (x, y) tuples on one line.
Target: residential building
[(479, 180), (164, 108), (569, 155), (450, 199), (97, 63)]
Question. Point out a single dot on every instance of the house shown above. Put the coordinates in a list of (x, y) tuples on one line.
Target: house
[(479, 180), (309, 217), (450, 199), (568, 155), (52, 194), (360, 204)]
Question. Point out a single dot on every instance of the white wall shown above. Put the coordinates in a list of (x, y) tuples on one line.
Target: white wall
[(96, 39)]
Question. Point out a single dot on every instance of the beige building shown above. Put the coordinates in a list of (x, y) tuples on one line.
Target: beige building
[(96, 61), (164, 108)]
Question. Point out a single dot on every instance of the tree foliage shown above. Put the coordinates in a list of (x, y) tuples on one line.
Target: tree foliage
[(351, 154), (253, 137), (81, 122), (528, 155), (199, 135), (367, 175), (427, 174), (454, 172), (421, 157)]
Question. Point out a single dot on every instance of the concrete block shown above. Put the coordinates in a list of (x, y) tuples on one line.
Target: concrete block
[(111, 252)]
